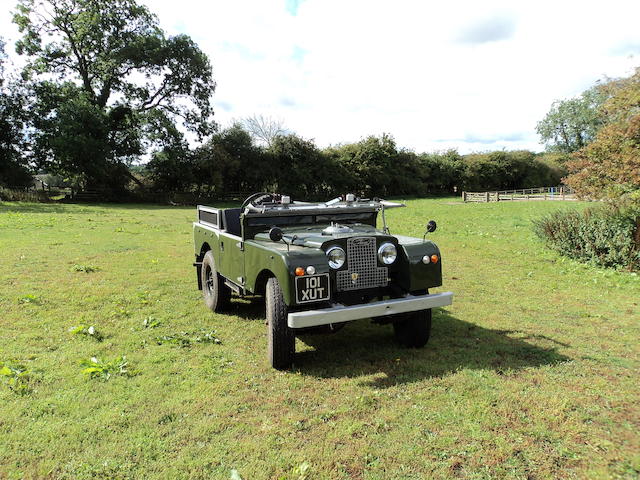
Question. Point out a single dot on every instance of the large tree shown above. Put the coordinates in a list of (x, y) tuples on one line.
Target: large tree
[(573, 123), (101, 69), (13, 169), (610, 165)]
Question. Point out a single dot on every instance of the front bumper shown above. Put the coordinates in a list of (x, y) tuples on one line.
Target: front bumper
[(340, 313)]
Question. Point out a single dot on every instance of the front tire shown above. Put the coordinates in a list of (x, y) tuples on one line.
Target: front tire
[(281, 339), (215, 293), (413, 329)]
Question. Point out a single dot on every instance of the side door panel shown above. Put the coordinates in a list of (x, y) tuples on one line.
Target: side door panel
[(231, 256)]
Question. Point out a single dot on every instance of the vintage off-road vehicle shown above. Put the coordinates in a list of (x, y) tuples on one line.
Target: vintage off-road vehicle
[(319, 265)]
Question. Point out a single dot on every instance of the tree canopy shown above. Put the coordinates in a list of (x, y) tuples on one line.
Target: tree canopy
[(100, 70), (610, 165), (13, 171), (573, 123)]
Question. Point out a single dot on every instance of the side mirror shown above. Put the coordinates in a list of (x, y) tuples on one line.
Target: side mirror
[(275, 234), (431, 226)]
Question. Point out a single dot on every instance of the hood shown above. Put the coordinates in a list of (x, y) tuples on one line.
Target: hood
[(316, 236)]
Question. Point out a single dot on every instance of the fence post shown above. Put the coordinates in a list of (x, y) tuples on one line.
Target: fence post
[(464, 196), (562, 192)]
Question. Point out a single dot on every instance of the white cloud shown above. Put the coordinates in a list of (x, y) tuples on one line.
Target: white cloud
[(467, 75)]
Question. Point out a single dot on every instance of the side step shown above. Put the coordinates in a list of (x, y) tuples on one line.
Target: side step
[(235, 288)]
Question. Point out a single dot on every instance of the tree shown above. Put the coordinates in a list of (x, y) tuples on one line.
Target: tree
[(303, 171), (100, 70), (371, 164), (264, 129), (571, 124), (610, 165), (13, 169)]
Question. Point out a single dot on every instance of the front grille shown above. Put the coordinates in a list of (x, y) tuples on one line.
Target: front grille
[(363, 270)]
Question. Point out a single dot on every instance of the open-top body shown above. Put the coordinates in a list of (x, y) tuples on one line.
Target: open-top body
[(245, 256)]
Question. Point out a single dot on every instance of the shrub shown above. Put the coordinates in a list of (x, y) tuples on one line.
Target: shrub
[(607, 235)]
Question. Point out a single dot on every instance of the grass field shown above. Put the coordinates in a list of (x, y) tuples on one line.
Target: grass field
[(532, 373)]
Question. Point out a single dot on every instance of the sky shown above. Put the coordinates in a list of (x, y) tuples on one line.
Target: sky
[(470, 75)]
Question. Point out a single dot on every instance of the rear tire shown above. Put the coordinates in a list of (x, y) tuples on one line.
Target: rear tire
[(281, 338), (413, 329), (215, 293)]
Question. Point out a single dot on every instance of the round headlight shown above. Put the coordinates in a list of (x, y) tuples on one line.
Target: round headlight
[(387, 253), (336, 257)]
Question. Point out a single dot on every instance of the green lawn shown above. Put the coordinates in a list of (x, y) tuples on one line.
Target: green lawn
[(532, 373)]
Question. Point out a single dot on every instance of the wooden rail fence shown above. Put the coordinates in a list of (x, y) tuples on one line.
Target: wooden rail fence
[(539, 193)]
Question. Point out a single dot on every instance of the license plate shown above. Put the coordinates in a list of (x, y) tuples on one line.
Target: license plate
[(312, 288)]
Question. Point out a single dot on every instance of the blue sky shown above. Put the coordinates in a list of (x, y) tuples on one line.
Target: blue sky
[(436, 75)]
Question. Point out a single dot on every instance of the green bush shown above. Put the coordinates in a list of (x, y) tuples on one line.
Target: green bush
[(606, 235)]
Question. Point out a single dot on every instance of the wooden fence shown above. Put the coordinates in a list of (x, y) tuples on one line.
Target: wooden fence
[(538, 193)]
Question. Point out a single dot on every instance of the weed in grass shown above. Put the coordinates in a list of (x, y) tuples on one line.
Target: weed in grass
[(17, 377), (89, 331), (302, 471), (84, 268), (186, 339), (95, 368), (235, 475), (29, 299), (167, 418), (151, 322)]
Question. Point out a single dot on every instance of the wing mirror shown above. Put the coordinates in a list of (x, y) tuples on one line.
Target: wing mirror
[(275, 234), (431, 227)]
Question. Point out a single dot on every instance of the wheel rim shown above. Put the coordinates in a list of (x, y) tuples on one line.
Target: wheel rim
[(209, 280)]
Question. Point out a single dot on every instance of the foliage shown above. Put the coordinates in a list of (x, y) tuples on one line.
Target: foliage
[(151, 322), (88, 330), (503, 170), (12, 195), (100, 70), (231, 162), (607, 235), (370, 163), (186, 339), (609, 167), (84, 268), (14, 171), (571, 124), (17, 377), (302, 170), (104, 370)]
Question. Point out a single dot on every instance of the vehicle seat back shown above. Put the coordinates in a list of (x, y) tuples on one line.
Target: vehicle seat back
[(232, 221)]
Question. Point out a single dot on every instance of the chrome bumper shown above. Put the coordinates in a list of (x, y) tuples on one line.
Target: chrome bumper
[(340, 313)]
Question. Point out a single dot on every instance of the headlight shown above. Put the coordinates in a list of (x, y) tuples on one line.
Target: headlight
[(336, 257), (387, 253)]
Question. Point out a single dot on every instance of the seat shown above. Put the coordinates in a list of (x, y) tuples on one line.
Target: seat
[(232, 221)]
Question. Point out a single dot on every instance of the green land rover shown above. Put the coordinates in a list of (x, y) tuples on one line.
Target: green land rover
[(319, 266)]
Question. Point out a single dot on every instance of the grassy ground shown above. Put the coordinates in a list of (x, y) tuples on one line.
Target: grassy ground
[(531, 374)]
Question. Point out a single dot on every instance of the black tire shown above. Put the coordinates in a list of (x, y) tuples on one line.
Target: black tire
[(413, 329), (215, 293), (281, 339)]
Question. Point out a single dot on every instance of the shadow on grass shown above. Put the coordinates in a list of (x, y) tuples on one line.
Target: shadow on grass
[(364, 349)]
